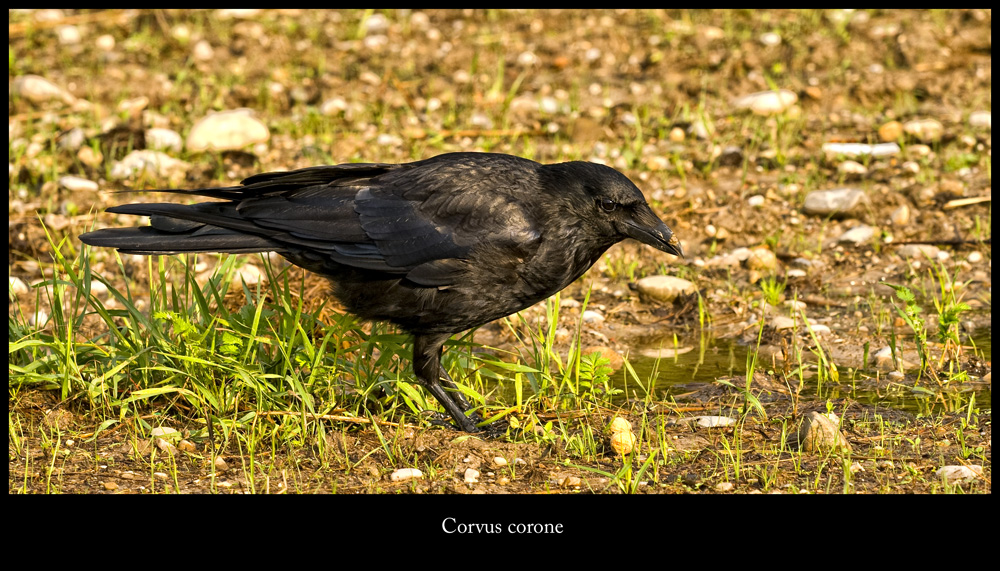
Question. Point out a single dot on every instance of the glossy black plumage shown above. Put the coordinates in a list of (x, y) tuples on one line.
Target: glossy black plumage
[(436, 246)]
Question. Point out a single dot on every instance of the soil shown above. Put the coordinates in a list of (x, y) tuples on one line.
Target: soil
[(628, 88)]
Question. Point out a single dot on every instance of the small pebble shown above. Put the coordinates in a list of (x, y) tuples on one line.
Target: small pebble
[(859, 235), (105, 43), (901, 216), (619, 424), (924, 130), (570, 482), (890, 131), (664, 288), (17, 286), (861, 149), (203, 51), (770, 39), (852, 168), (955, 474), (68, 35), (829, 202), (818, 433), (227, 130), (981, 119), (762, 259), (77, 184), (767, 102), (404, 474), (714, 421)]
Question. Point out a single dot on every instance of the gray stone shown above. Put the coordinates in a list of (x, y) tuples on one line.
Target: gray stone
[(859, 235), (226, 131), (818, 434), (830, 202), (663, 288)]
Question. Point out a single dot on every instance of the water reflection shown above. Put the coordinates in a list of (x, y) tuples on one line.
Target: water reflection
[(672, 366)]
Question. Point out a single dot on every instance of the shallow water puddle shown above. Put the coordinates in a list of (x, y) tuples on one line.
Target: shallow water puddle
[(669, 367)]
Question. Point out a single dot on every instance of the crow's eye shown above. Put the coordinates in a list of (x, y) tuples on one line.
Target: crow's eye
[(607, 204)]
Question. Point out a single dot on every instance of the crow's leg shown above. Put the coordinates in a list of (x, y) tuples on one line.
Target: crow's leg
[(456, 393), (427, 367)]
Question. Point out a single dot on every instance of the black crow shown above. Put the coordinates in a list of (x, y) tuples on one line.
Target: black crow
[(436, 246)]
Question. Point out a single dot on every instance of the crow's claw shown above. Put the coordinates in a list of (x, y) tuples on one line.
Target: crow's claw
[(495, 429)]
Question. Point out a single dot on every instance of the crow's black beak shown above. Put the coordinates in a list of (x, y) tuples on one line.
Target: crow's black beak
[(650, 230)]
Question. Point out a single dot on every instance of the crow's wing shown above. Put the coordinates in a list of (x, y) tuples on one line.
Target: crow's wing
[(437, 239), (430, 220), (437, 218)]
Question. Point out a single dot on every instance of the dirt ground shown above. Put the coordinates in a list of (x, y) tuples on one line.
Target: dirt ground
[(651, 93)]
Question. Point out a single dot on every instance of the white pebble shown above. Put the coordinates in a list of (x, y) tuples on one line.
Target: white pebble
[(925, 130), (861, 149), (548, 105), (852, 167), (105, 42), (715, 421), (17, 286), (68, 35), (767, 102), (203, 51), (527, 58), (337, 105), (162, 431), (860, 234), (227, 130), (39, 318), (818, 328), (404, 474), (955, 474), (77, 184), (770, 39), (149, 161), (38, 90), (982, 119), (164, 139), (471, 476)]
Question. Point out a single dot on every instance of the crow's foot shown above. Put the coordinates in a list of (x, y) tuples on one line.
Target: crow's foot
[(494, 429)]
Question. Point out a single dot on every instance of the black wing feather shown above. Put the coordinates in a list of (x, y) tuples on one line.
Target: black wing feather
[(424, 219)]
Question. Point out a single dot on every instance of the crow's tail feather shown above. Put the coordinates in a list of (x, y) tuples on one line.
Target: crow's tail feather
[(177, 229), (147, 240)]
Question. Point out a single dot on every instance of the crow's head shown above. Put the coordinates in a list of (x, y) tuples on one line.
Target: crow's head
[(610, 203)]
